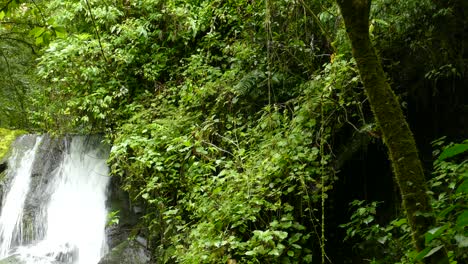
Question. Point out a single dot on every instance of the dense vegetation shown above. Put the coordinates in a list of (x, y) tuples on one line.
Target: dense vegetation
[(242, 127), (6, 138)]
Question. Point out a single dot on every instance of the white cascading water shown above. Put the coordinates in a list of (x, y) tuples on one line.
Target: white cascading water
[(20, 164), (75, 214)]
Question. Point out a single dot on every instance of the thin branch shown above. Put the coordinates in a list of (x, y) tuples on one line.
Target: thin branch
[(31, 46), (20, 23), (96, 29), (40, 12), (5, 8), (317, 20)]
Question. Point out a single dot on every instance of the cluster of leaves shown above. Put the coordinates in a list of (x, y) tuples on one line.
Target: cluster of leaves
[(17, 55), (391, 243), (227, 185), (116, 53), (215, 127)]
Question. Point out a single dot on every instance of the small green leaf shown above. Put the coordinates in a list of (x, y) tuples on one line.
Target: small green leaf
[(434, 250), (250, 253), (39, 41), (368, 219), (382, 240), (275, 252), (37, 31), (295, 238), (51, 21), (444, 212), (60, 32), (421, 254), (427, 252), (400, 222)]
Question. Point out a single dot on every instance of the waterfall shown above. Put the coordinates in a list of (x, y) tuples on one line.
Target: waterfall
[(64, 204), (20, 165)]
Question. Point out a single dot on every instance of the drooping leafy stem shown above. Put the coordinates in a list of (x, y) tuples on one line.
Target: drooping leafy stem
[(96, 30), (268, 43), (322, 179)]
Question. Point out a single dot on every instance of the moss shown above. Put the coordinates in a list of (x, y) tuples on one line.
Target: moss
[(12, 260), (6, 138)]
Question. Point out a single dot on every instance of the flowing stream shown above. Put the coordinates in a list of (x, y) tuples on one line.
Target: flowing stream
[(53, 207)]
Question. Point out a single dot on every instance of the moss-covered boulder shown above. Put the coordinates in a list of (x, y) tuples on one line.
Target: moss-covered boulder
[(12, 260), (127, 252), (6, 138)]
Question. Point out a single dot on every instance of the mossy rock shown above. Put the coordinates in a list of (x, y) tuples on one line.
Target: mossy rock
[(127, 252), (6, 138), (12, 260)]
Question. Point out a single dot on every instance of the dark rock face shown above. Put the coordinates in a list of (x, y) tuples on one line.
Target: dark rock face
[(49, 156), (118, 200), (12, 260), (127, 252), (3, 166), (123, 250), (67, 254)]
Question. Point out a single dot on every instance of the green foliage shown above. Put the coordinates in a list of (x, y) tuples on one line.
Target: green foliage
[(228, 199), (452, 151), (391, 243), (227, 118), (6, 138), (17, 54), (113, 218), (214, 115), (387, 243)]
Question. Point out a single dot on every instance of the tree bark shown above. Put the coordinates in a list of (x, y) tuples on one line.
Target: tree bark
[(395, 131)]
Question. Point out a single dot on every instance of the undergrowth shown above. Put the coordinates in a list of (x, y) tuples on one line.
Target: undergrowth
[(391, 243)]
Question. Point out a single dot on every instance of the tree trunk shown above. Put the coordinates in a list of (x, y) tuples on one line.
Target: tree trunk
[(395, 131)]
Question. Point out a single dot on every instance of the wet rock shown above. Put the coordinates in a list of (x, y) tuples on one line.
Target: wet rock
[(127, 252), (3, 166), (49, 156), (118, 200), (67, 254), (12, 260)]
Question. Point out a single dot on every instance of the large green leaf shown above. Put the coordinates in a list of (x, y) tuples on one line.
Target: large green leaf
[(462, 220), (453, 151), (463, 188), (434, 233)]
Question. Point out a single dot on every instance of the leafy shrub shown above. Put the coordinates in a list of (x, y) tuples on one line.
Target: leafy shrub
[(449, 188)]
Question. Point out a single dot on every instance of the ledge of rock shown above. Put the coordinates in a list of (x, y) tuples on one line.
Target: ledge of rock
[(12, 260), (127, 252), (3, 166)]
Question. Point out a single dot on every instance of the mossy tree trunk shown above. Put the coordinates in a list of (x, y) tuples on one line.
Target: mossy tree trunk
[(395, 131)]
